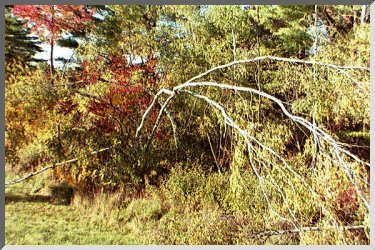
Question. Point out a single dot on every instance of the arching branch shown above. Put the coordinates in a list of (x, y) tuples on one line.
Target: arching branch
[(316, 131), (172, 93)]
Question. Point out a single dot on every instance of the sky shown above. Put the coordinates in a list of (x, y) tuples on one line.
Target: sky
[(57, 51), (65, 53)]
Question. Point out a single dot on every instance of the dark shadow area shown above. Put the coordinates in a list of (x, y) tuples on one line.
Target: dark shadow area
[(9, 197)]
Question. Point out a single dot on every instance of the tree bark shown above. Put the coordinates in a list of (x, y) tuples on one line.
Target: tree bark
[(363, 13), (52, 42), (51, 58)]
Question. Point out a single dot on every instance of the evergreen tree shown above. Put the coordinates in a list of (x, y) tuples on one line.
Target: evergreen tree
[(20, 45)]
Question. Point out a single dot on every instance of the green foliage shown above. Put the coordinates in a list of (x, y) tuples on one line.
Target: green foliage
[(212, 188), (142, 210), (191, 188), (28, 116)]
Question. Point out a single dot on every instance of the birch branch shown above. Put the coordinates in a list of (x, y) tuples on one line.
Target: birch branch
[(313, 129), (297, 119), (148, 110), (243, 133), (247, 137), (172, 121), (164, 107), (260, 58), (315, 30), (281, 59), (307, 229), (316, 131), (54, 165), (319, 133)]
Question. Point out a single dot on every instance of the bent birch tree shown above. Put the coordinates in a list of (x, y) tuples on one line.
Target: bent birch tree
[(333, 150)]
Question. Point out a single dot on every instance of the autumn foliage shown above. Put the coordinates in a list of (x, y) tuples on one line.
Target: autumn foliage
[(50, 21), (257, 141), (127, 94)]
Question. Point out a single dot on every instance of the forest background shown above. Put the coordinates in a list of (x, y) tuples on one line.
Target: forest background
[(143, 132)]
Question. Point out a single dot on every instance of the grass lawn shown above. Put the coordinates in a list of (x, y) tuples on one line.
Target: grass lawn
[(32, 219), (35, 221)]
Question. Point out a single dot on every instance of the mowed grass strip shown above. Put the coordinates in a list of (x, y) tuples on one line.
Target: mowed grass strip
[(35, 222)]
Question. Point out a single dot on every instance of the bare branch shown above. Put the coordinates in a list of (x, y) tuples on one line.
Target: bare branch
[(300, 120), (54, 165), (247, 137), (312, 128), (148, 110), (159, 117), (260, 58), (290, 60), (243, 133), (307, 229), (171, 119), (318, 133)]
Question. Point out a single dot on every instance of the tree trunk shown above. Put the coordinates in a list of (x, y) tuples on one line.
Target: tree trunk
[(51, 59), (315, 45), (363, 13), (52, 42)]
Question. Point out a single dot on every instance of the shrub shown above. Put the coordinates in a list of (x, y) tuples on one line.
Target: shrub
[(62, 193)]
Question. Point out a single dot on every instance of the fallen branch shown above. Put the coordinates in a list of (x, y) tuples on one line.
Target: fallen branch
[(54, 165), (316, 131), (163, 108), (173, 123), (313, 129), (298, 119), (307, 229)]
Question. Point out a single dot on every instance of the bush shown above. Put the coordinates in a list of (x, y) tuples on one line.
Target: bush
[(142, 210), (204, 227), (191, 188), (62, 193)]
